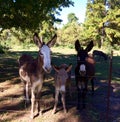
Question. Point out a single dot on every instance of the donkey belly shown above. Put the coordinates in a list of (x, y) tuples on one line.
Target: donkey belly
[(24, 75)]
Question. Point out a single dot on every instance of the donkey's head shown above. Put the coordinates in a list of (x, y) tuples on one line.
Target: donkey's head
[(44, 51), (62, 72), (82, 55)]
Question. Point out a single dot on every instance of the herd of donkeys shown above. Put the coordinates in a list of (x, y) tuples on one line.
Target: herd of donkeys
[(32, 72)]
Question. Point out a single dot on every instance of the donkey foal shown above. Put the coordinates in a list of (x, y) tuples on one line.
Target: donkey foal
[(62, 78)]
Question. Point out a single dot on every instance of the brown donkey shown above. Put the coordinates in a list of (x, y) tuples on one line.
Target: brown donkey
[(32, 70), (84, 71), (62, 78)]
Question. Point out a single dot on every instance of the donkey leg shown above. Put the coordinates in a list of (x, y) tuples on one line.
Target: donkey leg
[(92, 83), (32, 103), (63, 101), (84, 93), (38, 101), (26, 95), (70, 89), (78, 98), (78, 86), (39, 110), (27, 91), (56, 101)]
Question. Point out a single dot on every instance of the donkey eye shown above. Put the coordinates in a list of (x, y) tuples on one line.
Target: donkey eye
[(41, 54)]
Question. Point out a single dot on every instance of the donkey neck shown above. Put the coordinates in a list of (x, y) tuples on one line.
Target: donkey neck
[(40, 64)]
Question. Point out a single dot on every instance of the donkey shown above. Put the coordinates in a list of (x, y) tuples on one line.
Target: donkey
[(100, 55), (62, 78), (84, 71), (32, 70)]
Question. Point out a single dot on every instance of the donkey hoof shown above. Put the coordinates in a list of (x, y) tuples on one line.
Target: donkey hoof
[(65, 111), (40, 113), (53, 112), (27, 102), (32, 117)]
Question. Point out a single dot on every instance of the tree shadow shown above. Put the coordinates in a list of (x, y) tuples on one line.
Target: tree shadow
[(96, 105)]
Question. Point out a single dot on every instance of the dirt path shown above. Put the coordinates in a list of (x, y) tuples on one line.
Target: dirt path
[(12, 107)]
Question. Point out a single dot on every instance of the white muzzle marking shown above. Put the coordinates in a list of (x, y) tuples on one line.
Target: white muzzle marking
[(82, 68), (45, 50)]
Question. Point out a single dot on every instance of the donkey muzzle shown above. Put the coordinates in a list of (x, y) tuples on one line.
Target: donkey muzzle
[(82, 70)]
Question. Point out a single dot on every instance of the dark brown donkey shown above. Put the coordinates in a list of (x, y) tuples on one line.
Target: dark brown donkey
[(100, 55), (84, 71), (32, 70)]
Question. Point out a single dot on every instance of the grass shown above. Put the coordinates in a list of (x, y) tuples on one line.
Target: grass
[(11, 88)]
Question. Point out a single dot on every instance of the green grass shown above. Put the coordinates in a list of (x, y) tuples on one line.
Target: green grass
[(9, 62)]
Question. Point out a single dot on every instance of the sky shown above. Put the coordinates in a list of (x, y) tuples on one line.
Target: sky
[(79, 9)]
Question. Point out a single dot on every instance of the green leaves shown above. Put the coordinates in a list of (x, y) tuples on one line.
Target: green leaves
[(102, 23), (29, 14), (72, 18)]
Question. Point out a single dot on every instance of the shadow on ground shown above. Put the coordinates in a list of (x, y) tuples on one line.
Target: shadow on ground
[(12, 105)]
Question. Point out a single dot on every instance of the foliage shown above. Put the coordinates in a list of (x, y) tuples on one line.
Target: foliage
[(29, 14), (72, 18), (94, 20), (101, 25), (12, 37), (2, 49), (113, 25), (21, 18), (102, 21), (70, 32)]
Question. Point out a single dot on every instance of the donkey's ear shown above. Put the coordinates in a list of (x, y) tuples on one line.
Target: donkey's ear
[(90, 46), (37, 40), (69, 68), (52, 41), (56, 68), (77, 45)]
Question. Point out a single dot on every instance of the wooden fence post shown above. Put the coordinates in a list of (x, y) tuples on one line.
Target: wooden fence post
[(109, 85)]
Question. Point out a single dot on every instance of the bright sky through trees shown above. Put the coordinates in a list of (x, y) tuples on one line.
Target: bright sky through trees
[(79, 9)]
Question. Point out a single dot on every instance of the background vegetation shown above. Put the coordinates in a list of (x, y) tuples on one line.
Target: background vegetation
[(20, 19)]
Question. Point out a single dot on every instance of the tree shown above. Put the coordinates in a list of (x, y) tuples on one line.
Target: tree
[(112, 22), (102, 21), (23, 17), (70, 32), (29, 14), (72, 18), (94, 20)]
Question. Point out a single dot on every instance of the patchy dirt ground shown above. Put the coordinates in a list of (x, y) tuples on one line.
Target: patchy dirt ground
[(12, 108)]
